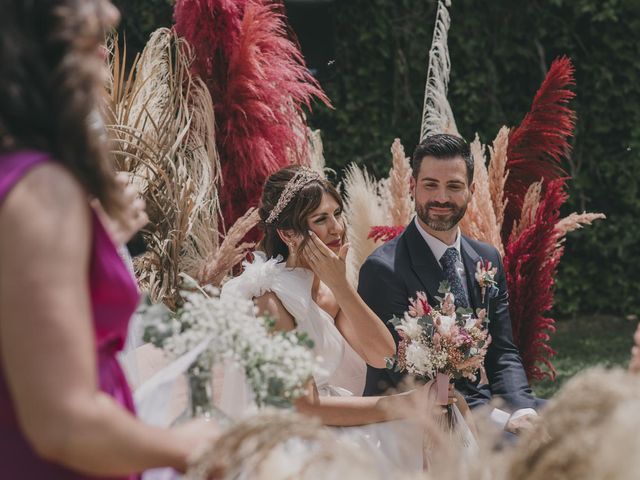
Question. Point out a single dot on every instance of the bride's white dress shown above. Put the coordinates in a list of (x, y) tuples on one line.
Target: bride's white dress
[(396, 445)]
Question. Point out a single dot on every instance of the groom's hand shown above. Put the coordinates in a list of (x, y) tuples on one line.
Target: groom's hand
[(521, 424)]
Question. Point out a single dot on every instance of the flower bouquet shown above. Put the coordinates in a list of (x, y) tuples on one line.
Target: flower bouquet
[(277, 365), (441, 344)]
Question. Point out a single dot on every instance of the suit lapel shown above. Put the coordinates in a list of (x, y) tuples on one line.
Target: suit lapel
[(422, 261), (470, 259)]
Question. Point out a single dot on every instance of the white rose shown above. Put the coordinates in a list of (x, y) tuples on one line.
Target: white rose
[(418, 357), (470, 322), (409, 325), (446, 323)]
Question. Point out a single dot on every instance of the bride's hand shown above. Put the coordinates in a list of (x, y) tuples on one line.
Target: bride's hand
[(423, 399), (329, 267)]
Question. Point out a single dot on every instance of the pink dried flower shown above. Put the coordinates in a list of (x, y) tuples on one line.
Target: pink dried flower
[(419, 306), (462, 337), (448, 306)]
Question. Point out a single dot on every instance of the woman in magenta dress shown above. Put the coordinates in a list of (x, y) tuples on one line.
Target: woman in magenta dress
[(66, 411)]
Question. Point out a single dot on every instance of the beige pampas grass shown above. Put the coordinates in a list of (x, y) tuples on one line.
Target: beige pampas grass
[(529, 210), (480, 221), (573, 222), (577, 220), (316, 154), (362, 211), (281, 446), (437, 116), (565, 225), (161, 125), (498, 174), (395, 190)]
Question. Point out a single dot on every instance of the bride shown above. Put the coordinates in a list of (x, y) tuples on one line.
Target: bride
[(298, 277)]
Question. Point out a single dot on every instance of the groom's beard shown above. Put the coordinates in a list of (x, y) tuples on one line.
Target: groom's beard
[(441, 223)]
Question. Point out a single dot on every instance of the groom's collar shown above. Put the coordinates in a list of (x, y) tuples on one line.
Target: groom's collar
[(428, 269), (437, 246)]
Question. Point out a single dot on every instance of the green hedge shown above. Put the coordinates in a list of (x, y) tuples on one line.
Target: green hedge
[(499, 51), (141, 17)]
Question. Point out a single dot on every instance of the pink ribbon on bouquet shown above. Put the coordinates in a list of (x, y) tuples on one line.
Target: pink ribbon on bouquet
[(442, 388)]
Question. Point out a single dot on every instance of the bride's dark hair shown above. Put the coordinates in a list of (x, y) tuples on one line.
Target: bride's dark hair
[(50, 86), (294, 216)]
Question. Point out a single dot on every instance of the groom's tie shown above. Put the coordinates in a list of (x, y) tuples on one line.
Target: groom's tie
[(448, 262)]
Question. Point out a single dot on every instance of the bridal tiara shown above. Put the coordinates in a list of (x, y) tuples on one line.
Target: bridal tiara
[(302, 177)]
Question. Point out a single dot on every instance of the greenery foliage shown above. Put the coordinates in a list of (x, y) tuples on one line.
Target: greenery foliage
[(140, 18), (584, 342), (500, 51)]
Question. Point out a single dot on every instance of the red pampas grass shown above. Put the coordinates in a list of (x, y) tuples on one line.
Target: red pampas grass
[(259, 84), (536, 147), (384, 234), (212, 28), (534, 153), (531, 263)]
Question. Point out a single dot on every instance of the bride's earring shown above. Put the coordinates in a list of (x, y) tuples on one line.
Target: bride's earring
[(292, 251)]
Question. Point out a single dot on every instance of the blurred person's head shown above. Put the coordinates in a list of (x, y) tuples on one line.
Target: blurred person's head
[(52, 71), (590, 430)]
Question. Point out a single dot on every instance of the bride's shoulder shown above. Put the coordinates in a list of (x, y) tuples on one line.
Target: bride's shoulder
[(257, 278), (269, 305), (261, 265)]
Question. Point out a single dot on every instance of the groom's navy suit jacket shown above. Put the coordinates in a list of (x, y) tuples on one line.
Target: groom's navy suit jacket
[(405, 265)]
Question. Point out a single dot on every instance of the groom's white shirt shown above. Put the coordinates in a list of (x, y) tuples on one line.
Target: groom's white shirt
[(438, 248)]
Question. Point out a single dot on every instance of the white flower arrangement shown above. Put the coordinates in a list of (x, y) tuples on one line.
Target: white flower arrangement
[(277, 365)]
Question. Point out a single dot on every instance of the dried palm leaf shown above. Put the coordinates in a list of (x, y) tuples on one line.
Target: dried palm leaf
[(231, 251), (161, 123), (437, 116)]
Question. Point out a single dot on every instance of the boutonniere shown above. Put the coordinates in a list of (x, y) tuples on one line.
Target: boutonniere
[(485, 276)]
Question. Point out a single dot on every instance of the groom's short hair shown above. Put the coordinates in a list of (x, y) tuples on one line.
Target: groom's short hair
[(443, 147)]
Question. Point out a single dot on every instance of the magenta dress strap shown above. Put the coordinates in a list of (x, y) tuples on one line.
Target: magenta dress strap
[(14, 166), (114, 297)]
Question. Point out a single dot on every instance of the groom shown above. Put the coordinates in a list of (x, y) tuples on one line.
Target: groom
[(431, 250)]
